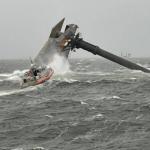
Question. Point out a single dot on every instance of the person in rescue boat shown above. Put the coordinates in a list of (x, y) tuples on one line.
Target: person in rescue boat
[(34, 71)]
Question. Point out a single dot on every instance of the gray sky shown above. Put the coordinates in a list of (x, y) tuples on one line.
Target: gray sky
[(114, 25)]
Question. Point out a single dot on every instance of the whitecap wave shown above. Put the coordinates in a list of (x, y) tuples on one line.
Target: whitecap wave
[(132, 78), (110, 97), (64, 78), (98, 73), (5, 74), (83, 103), (18, 149), (15, 76), (97, 116), (16, 91)]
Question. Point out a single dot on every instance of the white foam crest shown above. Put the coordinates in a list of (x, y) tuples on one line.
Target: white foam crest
[(15, 72), (94, 73), (60, 65), (5, 75), (16, 91), (132, 78), (136, 71), (83, 103), (36, 148), (115, 97), (13, 76), (65, 79), (70, 80), (110, 97), (94, 117), (18, 149)]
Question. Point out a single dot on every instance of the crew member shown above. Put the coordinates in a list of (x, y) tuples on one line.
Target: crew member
[(34, 70)]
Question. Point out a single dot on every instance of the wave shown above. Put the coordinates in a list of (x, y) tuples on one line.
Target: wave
[(16, 91), (110, 97), (94, 73), (35, 148), (65, 79), (15, 72), (97, 116), (15, 76), (87, 82), (4, 75), (133, 78)]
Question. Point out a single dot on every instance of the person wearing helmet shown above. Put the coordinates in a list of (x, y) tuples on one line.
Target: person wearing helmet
[(33, 70)]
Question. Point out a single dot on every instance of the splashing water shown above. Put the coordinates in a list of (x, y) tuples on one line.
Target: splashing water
[(60, 65), (15, 76)]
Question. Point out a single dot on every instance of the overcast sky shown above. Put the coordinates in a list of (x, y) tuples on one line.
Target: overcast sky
[(114, 25)]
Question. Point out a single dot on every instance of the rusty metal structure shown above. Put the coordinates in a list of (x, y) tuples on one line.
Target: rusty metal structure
[(64, 42)]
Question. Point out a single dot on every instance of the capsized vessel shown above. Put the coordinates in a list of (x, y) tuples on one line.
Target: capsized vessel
[(63, 42)]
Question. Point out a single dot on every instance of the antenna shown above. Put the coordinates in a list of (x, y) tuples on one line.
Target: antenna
[(31, 61)]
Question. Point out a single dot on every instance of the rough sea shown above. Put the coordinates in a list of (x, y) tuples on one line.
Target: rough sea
[(89, 104)]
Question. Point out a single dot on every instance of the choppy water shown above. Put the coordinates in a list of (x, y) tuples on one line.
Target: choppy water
[(97, 105)]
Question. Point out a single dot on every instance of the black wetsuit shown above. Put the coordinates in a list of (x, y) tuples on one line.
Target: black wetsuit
[(35, 72)]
